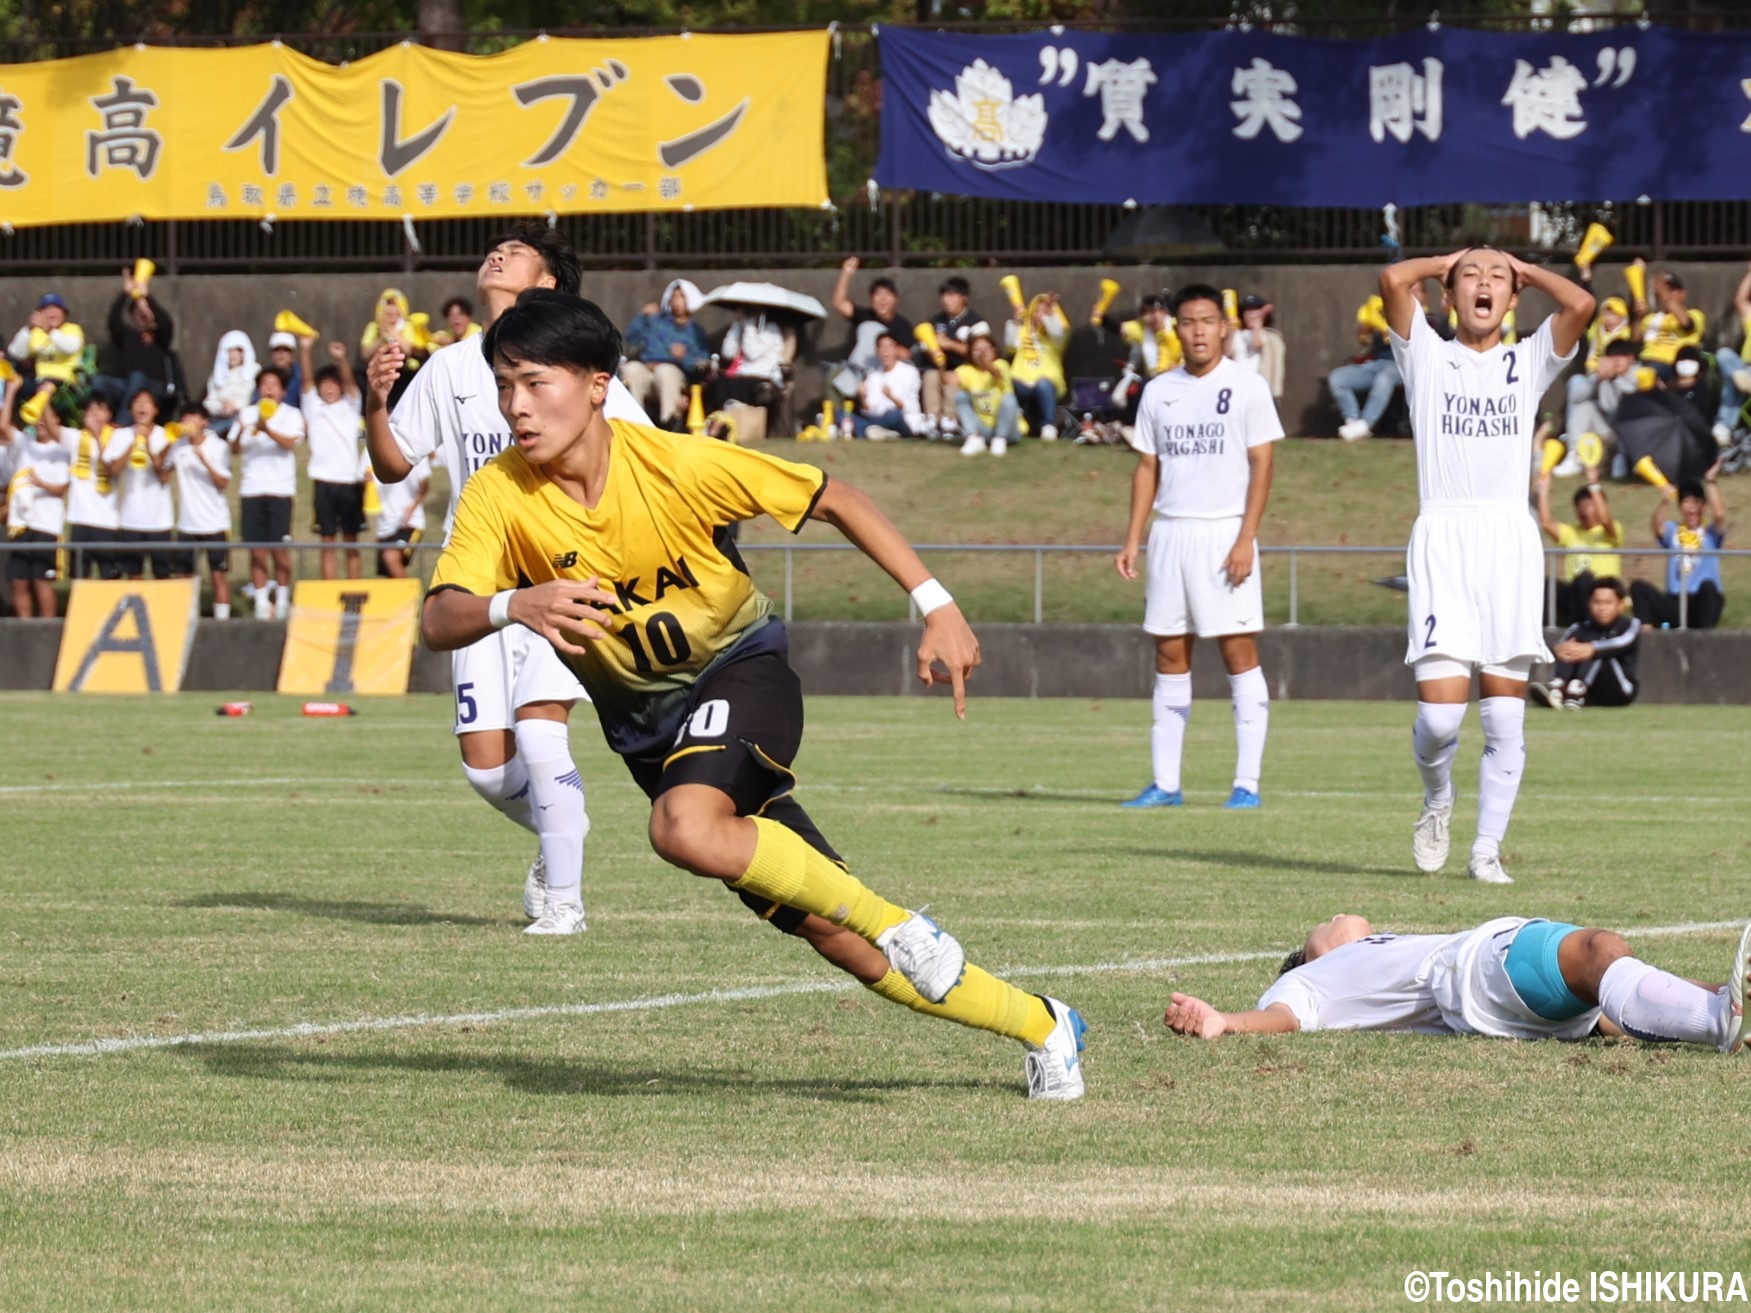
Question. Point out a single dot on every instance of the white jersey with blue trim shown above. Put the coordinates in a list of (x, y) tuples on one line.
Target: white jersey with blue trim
[(450, 415)]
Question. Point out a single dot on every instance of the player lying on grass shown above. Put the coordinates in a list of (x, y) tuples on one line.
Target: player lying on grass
[(609, 540), (1511, 978)]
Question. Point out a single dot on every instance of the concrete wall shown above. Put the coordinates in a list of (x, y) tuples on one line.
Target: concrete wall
[(1086, 661), (1315, 307)]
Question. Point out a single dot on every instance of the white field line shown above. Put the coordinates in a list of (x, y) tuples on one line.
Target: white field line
[(1039, 792), (658, 1002)]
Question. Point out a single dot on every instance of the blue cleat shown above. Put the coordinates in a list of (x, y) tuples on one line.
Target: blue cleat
[(1242, 800), (1155, 796)]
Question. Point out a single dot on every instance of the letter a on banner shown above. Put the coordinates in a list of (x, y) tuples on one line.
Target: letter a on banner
[(127, 637), (352, 636)]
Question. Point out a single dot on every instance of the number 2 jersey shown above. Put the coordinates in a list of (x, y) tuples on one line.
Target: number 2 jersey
[(656, 540), (449, 414)]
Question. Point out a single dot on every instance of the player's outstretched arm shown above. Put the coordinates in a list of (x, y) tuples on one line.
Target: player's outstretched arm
[(1397, 280), (387, 460), (1194, 1017), (948, 640), (1574, 303)]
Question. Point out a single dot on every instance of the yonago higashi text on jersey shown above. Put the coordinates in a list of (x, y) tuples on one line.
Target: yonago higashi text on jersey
[(684, 600)]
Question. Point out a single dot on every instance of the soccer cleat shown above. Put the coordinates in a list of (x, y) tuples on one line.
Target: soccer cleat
[(1545, 695), (558, 919), (1156, 796), (1576, 696), (926, 954), (1735, 1039), (1242, 800), (1430, 840), (974, 445), (1487, 869), (1054, 1070), (535, 888), (999, 446)]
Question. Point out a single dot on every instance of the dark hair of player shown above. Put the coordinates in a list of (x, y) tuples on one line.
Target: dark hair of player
[(555, 252), (546, 327), (883, 285), (1151, 302), (284, 375), (1296, 959), (1453, 272), (1621, 347), (462, 302), (1611, 583), (1196, 292), (1691, 492), (1582, 494), (328, 372), (191, 405)]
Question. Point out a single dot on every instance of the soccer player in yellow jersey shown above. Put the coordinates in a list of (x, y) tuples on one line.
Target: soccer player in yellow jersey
[(608, 539)]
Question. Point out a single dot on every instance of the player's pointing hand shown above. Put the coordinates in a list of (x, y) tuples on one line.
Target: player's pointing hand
[(948, 642)]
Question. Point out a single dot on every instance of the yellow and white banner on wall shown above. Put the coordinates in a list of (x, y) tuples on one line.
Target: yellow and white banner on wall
[(351, 636), (127, 636), (652, 123)]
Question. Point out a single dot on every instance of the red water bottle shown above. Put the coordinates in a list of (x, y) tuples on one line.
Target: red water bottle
[(236, 709), (328, 709)]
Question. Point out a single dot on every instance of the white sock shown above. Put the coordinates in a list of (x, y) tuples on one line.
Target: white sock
[(1500, 771), (1652, 1004), (282, 601), (557, 790), (1171, 706), (1434, 742), (264, 604), (506, 789), (1252, 717), (221, 610)]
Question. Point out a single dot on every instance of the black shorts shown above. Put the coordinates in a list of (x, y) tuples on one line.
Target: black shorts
[(340, 508), (38, 564), (389, 544), (743, 730), (133, 563), (99, 561), (266, 519), (218, 559)]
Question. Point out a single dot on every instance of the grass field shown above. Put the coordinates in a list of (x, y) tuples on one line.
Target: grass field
[(402, 1103)]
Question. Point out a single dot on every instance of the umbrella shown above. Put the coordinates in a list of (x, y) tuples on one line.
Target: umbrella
[(766, 296), (1653, 424), (1159, 232)]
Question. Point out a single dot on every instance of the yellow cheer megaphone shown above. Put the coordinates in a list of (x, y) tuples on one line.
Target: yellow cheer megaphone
[(1636, 275), (1371, 314), (1593, 244), (1590, 450), (829, 415), (266, 407), (1011, 286), (1645, 378), (31, 411), (1651, 472), (1109, 291), (373, 499), (287, 322), (926, 335), (173, 432), (143, 271), (696, 411), (809, 433), (1554, 451), (1231, 305)]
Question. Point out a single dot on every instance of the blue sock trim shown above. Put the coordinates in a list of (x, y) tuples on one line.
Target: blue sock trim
[(1532, 970)]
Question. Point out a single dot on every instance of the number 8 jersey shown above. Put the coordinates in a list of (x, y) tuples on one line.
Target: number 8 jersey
[(656, 540)]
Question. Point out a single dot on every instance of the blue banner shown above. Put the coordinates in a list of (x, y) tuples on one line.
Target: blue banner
[(1248, 118)]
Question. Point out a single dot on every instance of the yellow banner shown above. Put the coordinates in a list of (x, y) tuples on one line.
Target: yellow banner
[(652, 123), (127, 636), (352, 636)]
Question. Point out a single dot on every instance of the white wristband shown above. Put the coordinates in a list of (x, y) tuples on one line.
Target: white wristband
[(498, 611), (930, 596)]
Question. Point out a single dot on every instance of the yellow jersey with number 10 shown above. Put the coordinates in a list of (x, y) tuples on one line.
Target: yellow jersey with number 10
[(655, 540)]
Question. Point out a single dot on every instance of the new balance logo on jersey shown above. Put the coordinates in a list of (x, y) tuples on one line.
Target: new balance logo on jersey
[(564, 560)]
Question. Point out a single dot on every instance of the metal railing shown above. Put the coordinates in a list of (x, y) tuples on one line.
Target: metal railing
[(424, 554), (887, 228)]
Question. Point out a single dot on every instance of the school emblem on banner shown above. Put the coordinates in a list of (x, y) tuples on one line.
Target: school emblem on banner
[(984, 124)]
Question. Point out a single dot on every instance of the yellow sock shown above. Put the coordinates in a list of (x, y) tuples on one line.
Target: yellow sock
[(786, 870), (981, 1001)]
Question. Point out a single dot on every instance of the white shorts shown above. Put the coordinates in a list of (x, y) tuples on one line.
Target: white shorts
[(504, 671), (1185, 588), (1471, 986), (1476, 587)]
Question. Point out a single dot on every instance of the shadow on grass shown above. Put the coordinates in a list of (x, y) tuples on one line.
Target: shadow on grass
[(538, 1075), (1089, 797), (1257, 861), (338, 909)]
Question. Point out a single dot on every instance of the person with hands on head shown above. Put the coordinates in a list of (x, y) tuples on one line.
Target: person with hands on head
[(605, 537), (1204, 438), (1597, 531), (1474, 562), (1694, 596)]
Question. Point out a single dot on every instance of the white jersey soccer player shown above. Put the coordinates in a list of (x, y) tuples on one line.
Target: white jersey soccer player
[(1510, 978), (513, 694), (1203, 438), (1475, 566)]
